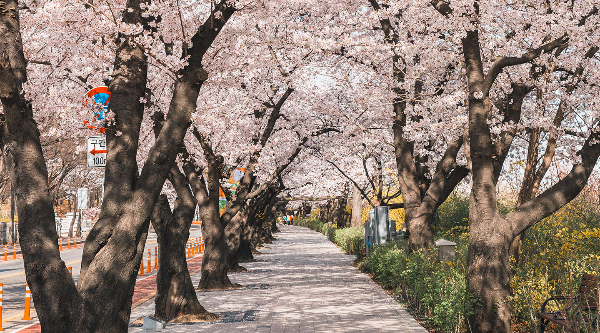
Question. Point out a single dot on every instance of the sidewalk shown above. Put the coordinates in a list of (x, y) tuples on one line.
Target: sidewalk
[(301, 283)]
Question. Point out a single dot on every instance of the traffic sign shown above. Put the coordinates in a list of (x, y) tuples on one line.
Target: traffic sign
[(96, 151)]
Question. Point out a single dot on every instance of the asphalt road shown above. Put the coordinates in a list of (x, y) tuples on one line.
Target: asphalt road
[(12, 275)]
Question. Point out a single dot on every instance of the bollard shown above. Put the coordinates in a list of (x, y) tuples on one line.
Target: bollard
[(75, 242), (14, 250), (149, 262), (69, 242), (192, 247), (70, 270), (5, 252), (27, 312), (60, 240), (142, 268), (155, 258), (1, 329)]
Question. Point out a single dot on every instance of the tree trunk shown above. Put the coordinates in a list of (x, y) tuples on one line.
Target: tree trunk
[(12, 237), (214, 261), (101, 302), (356, 208), (78, 230), (75, 202), (339, 212), (489, 275), (233, 236), (244, 252), (420, 228), (176, 298), (52, 287)]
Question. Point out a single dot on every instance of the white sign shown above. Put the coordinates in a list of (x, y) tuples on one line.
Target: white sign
[(238, 174), (96, 151), (82, 198)]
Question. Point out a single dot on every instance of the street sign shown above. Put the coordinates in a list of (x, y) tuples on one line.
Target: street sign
[(82, 198), (96, 151), (238, 174)]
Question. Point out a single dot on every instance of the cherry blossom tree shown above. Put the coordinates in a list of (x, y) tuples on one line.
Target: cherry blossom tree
[(541, 46), (114, 249)]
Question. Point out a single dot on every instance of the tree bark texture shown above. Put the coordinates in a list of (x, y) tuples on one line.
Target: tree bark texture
[(51, 285), (176, 298), (491, 233), (233, 236), (101, 302), (356, 208), (72, 225)]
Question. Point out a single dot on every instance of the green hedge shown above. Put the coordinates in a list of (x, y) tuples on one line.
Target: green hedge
[(350, 240), (437, 291)]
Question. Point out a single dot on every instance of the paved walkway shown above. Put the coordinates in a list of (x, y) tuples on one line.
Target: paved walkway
[(301, 283)]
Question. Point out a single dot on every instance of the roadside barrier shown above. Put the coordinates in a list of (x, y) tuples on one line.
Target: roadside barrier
[(75, 241), (14, 250), (193, 247), (60, 244), (27, 312), (69, 242), (149, 262)]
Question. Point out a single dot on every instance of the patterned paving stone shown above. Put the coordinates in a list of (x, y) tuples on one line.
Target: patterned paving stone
[(301, 283)]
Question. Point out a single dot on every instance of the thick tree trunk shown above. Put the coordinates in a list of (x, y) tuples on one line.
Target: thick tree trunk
[(489, 276), (214, 261), (52, 287), (176, 298), (490, 236), (244, 252), (339, 215), (356, 208), (102, 300), (233, 236), (420, 226)]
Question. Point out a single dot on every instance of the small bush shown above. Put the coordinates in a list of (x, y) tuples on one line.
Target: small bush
[(349, 240), (435, 289)]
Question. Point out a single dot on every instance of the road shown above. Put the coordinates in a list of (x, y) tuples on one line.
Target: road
[(12, 276)]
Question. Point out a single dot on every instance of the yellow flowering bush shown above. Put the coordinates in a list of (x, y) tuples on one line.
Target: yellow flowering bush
[(555, 254)]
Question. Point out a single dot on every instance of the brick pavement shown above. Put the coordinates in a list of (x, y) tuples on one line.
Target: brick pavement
[(300, 283)]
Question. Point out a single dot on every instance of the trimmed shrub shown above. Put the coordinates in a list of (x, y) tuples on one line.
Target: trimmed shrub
[(436, 290), (349, 240)]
